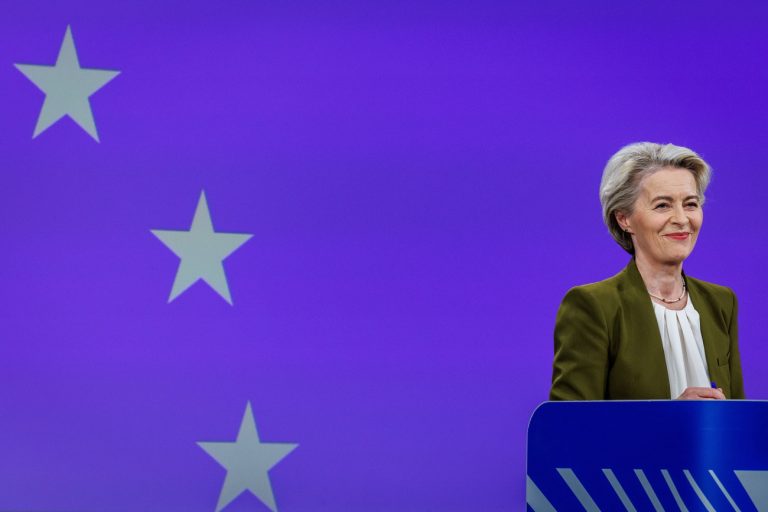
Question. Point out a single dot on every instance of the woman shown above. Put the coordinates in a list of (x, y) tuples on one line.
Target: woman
[(649, 332)]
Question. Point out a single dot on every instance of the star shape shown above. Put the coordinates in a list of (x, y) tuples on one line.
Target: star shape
[(202, 251), (247, 462), (67, 88)]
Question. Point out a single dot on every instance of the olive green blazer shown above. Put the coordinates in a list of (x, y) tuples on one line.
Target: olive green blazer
[(608, 345)]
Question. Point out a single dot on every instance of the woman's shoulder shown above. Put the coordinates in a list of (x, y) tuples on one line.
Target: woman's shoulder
[(602, 292), (718, 292)]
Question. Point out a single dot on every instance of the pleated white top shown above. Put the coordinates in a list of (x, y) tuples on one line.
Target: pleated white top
[(683, 347)]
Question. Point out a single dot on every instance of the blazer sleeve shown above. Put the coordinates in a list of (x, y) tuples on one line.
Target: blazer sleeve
[(581, 362), (737, 381)]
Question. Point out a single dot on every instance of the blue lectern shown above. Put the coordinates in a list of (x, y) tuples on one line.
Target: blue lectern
[(648, 455)]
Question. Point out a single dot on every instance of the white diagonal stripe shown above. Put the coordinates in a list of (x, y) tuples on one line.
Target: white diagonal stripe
[(673, 489), (727, 494), (535, 498), (619, 489), (698, 491), (649, 490), (578, 489)]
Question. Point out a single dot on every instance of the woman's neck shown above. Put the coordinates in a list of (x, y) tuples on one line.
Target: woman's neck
[(664, 280)]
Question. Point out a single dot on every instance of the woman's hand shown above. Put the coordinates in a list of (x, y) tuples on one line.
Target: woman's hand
[(702, 394)]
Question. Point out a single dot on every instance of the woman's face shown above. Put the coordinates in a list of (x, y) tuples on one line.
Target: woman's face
[(667, 216)]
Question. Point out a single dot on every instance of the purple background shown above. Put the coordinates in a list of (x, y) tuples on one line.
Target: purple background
[(421, 183)]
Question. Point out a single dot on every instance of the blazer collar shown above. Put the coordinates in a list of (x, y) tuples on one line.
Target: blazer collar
[(642, 323), (708, 311)]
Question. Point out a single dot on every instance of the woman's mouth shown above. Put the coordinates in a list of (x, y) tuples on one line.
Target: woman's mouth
[(678, 236)]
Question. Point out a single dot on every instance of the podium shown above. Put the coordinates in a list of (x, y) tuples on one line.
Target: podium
[(657, 455)]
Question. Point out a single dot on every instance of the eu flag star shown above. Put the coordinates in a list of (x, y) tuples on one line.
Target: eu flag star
[(248, 462), (67, 88), (202, 251)]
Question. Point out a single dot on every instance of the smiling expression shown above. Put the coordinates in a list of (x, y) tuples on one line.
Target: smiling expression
[(667, 216)]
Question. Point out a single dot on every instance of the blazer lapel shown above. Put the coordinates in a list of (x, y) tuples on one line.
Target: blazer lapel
[(643, 329), (712, 337)]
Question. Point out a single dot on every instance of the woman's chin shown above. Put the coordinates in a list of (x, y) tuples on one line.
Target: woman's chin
[(668, 257), (677, 258)]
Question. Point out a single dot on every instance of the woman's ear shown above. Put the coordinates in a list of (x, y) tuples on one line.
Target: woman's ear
[(623, 221)]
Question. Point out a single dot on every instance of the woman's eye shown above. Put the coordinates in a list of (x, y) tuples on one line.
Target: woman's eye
[(661, 206), (692, 205)]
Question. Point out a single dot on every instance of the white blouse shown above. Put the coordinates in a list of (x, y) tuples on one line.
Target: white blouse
[(683, 347)]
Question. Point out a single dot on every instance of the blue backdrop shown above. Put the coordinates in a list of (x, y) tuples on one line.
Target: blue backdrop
[(415, 186)]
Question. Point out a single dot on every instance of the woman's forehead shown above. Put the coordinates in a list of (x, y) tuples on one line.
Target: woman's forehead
[(669, 181)]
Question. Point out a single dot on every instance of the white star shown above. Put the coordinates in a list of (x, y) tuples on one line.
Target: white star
[(202, 251), (247, 462), (67, 88)]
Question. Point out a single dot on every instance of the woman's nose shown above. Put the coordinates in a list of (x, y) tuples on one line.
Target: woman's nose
[(678, 215)]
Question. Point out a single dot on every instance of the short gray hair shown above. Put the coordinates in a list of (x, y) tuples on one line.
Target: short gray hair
[(620, 185)]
